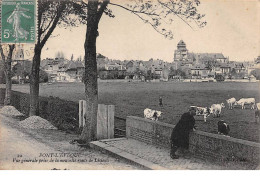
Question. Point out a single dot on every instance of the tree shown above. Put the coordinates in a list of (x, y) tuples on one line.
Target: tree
[(219, 78), (149, 75), (153, 13), (256, 73), (43, 76), (165, 73), (60, 55), (50, 14), (241, 75), (173, 72), (2, 74), (177, 72), (7, 60), (71, 58), (23, 70), (233, 73), (18, 71)]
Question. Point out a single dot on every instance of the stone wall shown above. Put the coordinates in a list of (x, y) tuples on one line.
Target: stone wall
[(151, 132), (202, 144), (223, 148)]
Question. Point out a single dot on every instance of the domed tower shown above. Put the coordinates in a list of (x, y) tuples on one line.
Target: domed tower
[(181, 54), (18, 54), (181, 46)]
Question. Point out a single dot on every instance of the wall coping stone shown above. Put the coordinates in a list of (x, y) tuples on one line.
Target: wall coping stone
[(222, 137)]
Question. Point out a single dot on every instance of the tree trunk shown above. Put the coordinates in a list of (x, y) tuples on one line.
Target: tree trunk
[(89, 132), (8, 76), (34, 81), (8, 83)]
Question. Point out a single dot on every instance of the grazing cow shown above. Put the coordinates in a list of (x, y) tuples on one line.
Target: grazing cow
[(230, 102), (223, 127), (215, 109), (152, 114), (243, 101), (202, 111), (258, 106)]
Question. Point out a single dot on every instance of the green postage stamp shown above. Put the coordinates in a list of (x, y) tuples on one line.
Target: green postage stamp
[(18, 21)]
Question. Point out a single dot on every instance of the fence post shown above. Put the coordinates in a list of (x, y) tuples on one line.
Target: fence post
[(102, 122), (110, 121)]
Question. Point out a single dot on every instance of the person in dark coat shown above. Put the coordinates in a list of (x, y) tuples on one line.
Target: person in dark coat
[(180, 133), (160, 101)]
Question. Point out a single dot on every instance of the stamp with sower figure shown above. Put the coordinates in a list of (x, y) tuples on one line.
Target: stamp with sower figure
[(18, 21)]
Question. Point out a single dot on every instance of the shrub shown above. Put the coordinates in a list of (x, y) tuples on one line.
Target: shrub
[(14, 81), (219, 78), (2, 96)]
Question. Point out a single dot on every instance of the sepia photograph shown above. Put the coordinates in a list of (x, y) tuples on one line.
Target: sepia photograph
[(130, 85)]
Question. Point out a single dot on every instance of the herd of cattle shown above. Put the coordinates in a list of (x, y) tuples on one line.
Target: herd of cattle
[(215, 110)]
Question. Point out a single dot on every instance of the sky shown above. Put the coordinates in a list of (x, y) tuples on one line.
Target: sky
[(232, 29)]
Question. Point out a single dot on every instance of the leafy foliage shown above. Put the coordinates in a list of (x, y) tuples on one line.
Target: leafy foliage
[(160, 14), (177, 72), (219, 78), (256, 73), (23, 70)]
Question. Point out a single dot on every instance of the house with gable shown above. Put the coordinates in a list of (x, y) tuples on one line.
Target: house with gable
[(199, 71), (114, 65), (72, 71), (113, 69), (156, 66), (52, 66), (225, 69), (239, 67)]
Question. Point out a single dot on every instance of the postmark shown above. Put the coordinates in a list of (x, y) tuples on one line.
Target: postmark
[(18, 21)]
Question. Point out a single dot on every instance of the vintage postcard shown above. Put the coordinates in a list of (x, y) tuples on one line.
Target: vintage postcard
[(130, 85)]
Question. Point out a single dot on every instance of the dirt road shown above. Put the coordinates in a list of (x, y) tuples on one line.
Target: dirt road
[(27, 149)]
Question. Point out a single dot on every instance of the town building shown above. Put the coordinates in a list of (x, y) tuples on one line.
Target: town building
[(200, 71), (63, 70), (200, 64)]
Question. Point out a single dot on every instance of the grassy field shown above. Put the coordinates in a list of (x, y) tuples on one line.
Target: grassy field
[(132, 98)]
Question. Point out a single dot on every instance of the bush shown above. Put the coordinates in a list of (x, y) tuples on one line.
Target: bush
[(14, 81), (61, 113), (219, 78), (2, 96), (43, 76), (256, 73)]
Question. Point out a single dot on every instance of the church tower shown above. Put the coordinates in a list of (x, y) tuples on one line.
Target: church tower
[(18, 53), (181, 54)]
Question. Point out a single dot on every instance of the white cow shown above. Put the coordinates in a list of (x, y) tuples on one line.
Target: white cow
[(244, 101), (152, 114), (230, 102), (257, 112), (215, 109), (258, 106), (202, 111)]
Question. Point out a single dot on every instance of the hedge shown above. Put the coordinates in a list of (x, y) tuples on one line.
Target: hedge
[(2, 96), (61, 113)]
